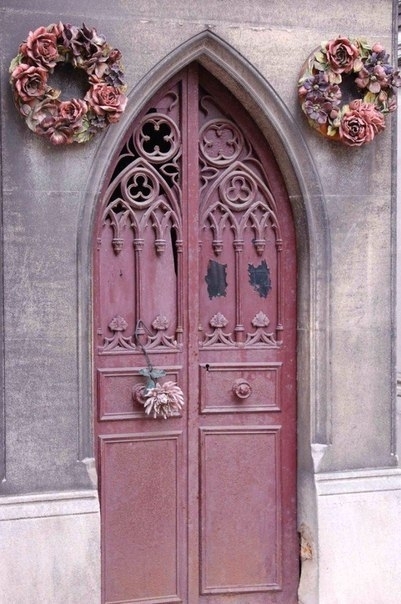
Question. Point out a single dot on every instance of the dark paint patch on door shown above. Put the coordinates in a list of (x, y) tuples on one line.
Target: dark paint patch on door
[(216, 279), (259, 278)]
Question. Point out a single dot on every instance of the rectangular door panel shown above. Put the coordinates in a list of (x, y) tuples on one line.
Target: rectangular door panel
[(142, 555), (115, 391), (241, 509), (240, 387)]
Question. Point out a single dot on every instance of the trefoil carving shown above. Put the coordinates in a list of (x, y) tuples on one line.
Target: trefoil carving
[(259, 338), (119, 343), (218, 320)]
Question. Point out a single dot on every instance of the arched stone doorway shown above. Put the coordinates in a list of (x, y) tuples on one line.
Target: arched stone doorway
[(280, 130)]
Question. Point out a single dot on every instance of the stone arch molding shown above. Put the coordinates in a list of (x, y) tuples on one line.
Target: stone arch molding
[(313, 247)]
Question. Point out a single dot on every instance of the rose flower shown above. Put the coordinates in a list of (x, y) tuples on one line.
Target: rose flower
[(73, 111), (106, 101), (41, 47), (360, 123), (341, 55), (29, 82)]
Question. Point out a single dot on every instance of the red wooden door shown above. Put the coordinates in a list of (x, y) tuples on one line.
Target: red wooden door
[(195, 274)]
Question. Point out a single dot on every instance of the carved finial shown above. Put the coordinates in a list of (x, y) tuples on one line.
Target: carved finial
[(161, 323), (218, 320), (260, 320), (117, 244), (259, 245), (160, 245), (217, 246), (118, 324)]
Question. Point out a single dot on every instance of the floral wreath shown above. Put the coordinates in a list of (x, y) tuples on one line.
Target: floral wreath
[(74, 120), (359, 120)]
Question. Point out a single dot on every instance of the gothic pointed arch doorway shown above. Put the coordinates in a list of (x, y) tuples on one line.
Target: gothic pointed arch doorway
[(195, 275)]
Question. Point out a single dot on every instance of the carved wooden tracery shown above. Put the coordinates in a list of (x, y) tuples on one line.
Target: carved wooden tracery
[(143, 212), (239, 210), (240, 236)]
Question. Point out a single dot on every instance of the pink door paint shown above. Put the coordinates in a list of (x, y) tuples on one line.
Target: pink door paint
[(195, 274)]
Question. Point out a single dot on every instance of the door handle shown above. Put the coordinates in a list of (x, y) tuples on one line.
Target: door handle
[(242, 388)]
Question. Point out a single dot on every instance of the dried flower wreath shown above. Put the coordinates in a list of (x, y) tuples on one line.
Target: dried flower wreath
[(74, 120), (367, 74)]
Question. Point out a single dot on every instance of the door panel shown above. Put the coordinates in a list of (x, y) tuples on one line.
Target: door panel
[(195, 274), (147, 565), (240, 551)]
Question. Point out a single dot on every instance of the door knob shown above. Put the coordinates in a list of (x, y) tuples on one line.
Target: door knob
[(242, 388)]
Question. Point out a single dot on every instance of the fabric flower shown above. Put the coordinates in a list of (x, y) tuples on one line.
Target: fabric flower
[(41, 47), (318, 110), (373, 80), (379, 56), (360, 123), (341, 55), (83, 42), (318, 83), (387, 102), (114, 76), (45, 121)]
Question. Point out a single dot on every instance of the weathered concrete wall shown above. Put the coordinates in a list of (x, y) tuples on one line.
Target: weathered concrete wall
[(357, 511), (46, 192), (49, 548)]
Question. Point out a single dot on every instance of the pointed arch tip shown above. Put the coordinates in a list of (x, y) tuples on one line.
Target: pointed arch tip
[(248, 85)]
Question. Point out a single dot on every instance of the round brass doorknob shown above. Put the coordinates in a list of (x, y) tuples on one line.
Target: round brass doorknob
[(242, 388)]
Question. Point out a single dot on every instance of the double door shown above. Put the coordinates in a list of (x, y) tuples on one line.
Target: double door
[(194, 302)]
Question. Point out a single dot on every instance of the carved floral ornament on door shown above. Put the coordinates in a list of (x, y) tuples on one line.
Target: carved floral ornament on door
[(346, 88), (77, 119)]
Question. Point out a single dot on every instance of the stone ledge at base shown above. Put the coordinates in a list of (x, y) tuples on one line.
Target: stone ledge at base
[(50, 548), (359, 519)]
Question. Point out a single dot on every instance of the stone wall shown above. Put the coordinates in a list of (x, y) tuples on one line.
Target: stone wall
[(343, 202)]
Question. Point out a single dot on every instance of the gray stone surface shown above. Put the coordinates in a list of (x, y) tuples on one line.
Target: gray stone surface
[(343, 203), (359, 512), (49, 547), (45, 189)]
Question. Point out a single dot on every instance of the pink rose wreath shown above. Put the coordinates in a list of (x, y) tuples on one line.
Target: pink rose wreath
[(365, 73), (73, 120)]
